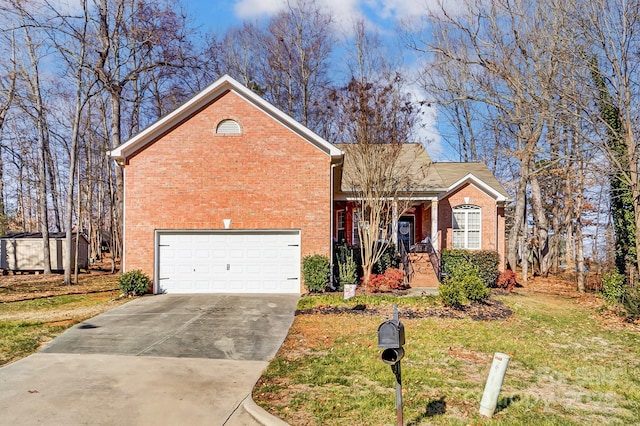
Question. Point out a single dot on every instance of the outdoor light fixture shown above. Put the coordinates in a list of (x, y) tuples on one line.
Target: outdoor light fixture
[(227, 223)]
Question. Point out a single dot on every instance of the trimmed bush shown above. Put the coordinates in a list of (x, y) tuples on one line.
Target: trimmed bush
[(451, 295), (613, 287), (484, 261), (316, 270), (462, 285), (134, 283)]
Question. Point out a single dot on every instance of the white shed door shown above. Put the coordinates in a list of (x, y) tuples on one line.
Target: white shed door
[(228, 262)]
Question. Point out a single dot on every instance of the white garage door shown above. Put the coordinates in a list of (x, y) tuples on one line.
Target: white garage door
[(228, 262)]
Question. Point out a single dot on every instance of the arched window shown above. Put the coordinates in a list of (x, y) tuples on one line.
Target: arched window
[(466, 227), (228, 127)]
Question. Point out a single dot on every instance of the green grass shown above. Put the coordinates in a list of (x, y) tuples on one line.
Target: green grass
[(310, 302), (26, 325), (565, 369), (21, 338), (67, 301)]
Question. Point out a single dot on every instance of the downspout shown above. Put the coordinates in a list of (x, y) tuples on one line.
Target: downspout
[(497, 219), (331, 221), (331, 178)]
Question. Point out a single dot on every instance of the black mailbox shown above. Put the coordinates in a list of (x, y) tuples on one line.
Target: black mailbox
[(391, 334)]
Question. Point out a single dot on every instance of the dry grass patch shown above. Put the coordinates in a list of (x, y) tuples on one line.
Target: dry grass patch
[(34, 309), (567, 368)]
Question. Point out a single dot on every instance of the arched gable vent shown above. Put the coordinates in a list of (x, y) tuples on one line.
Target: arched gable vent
[(228, 127)]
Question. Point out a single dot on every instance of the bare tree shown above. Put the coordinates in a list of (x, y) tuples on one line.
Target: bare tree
[(69, 39), (612, 32), (7, 94), (507, 57), (31, 74)]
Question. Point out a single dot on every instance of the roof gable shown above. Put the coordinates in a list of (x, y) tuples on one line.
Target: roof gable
[(221, 86), (455, 175)]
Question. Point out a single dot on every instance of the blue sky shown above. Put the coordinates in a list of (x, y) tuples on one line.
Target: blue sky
[(383, 16)]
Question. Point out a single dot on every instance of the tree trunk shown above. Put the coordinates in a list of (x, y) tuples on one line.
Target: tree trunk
[(41, 190), (542, 226)]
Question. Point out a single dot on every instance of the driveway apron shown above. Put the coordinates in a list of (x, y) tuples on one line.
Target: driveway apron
[(165, 359)]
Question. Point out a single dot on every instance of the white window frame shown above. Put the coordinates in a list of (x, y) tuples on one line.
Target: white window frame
[(341, 222), (464, 228), (355, 236)]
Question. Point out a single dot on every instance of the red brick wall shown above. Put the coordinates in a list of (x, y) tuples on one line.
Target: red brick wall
[(492, 232), (190, 178)]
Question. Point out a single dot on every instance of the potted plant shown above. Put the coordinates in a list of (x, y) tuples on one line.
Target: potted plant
[(347, 271)]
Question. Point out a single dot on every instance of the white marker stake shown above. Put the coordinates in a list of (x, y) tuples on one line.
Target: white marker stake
[(494, 384)]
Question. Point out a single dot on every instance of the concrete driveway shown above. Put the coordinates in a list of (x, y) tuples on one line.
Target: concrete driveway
[(162, 360)]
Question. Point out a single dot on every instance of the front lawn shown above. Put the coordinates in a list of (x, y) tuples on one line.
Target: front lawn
[(570, 364), (34, 309)]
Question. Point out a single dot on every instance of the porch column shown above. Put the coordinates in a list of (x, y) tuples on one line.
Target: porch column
[(394, 223), (434, 225)]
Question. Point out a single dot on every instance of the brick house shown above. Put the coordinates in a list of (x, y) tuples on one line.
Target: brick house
[(227, 194)]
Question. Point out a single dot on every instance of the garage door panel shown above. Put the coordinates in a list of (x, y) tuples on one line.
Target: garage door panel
[(230, 262)]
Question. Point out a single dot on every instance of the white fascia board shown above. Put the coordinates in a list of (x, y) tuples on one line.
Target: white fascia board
[(416, 198), (223, 84), (470, 178)]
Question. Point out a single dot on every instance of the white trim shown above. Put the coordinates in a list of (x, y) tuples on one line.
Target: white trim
[(124, 222), (206, 96), (478, 183), (430, 198), (466, 208)]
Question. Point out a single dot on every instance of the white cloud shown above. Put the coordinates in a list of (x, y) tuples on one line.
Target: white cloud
[(427, 134), (258, 8), (379, 14)]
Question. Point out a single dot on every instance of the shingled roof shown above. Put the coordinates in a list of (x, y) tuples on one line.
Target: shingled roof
[(432, 178), (454, 173)]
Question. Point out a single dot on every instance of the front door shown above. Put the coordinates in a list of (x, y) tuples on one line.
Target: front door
[(406, 226)]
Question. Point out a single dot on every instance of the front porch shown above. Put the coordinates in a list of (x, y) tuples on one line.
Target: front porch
[(412, 232)]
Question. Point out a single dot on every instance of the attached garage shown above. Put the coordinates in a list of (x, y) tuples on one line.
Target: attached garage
[(227, 261)]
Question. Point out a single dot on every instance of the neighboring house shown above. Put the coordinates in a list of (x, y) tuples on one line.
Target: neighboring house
[(22, 251), (228, 194)]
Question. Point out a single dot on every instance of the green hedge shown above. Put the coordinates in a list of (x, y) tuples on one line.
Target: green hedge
[(463, 285), (315, 270), (485, 262), (134, 283)]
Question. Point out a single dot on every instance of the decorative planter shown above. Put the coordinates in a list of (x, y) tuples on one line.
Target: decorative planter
[(349, 290)]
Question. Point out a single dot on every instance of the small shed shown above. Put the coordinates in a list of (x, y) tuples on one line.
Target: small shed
[(22, 251)]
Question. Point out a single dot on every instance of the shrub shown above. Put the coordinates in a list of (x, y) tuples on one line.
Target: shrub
[(484, 261), (613, 287), (389, 259), (347, 268), (451, 295), (392, 279), (134, 283), (463, 284), (631, 303), (315, 270), (506, 280)]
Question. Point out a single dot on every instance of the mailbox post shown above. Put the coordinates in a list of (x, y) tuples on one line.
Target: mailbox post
[(391, 339)]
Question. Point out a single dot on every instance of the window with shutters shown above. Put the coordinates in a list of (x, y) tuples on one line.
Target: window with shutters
[(466, 227), (228, 127)]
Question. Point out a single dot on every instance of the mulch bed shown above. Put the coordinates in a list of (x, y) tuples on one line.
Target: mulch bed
[(491, 310)]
